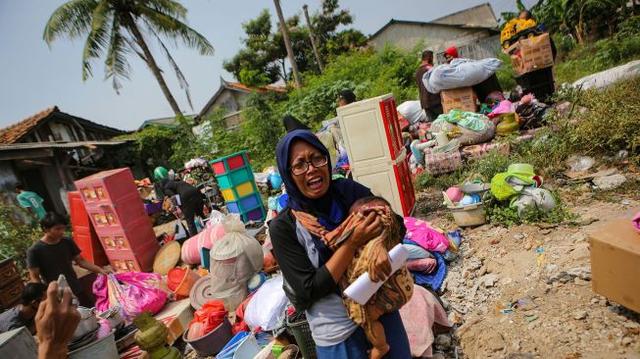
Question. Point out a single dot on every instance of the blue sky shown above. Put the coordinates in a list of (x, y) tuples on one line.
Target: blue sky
[(34, 76)]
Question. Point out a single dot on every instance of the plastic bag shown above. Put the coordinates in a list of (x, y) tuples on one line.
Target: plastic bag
[(459, 73), (267, 306), (237, 256), (207, 318), (134, 292), (466, 136), (412, 111), (534, 198)]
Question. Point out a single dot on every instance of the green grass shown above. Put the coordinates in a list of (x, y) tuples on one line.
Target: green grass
[(601, 55), (609, 124)]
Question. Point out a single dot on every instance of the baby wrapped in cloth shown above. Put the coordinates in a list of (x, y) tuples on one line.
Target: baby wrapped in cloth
[(397, 289)]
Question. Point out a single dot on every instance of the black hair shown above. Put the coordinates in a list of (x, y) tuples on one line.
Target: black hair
[(52, 219), (365, 200), (32, 292), (291, 123), (347, 95), (19, 187), (527, 12), (427, 55)]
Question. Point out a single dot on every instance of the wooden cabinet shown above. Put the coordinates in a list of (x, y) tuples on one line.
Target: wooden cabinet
[(11, 284)]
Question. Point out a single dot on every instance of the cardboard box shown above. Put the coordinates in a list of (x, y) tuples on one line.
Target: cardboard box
[(463, 98), (530, 54), (615, 255)]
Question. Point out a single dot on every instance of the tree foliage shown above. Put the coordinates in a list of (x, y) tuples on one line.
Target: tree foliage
[(16, 234), (262, 60), (583, 20), (113, 31)]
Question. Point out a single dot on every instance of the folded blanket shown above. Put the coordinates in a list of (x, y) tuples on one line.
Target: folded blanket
[(418, 317), (435, 279)]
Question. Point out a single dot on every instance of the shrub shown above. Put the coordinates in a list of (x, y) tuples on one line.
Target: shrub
[(506, 75), (16, 235), (611, 124), (592, 58)]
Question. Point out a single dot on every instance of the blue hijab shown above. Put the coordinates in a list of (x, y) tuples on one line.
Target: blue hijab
[(333, 207)]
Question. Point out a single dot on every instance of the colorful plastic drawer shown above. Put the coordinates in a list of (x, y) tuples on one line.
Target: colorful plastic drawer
[(106, 186), (245, 204), (256, 215), (228, 194), (229, 163), (245, 189), (235, 178)]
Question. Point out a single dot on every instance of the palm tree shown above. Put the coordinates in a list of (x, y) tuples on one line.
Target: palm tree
[(114, 28)]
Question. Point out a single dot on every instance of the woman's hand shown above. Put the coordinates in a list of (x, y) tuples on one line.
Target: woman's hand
[(380, 266), (56, 321), (369, 228)]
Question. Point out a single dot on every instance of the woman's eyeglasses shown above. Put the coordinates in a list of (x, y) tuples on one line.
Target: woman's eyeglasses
[(301, 167)]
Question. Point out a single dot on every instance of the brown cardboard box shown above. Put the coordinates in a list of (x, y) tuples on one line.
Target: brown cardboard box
[(530, 54), (615, 263), (463, 98)]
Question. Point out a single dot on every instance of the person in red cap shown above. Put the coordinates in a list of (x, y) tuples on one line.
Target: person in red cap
[(451, 53)]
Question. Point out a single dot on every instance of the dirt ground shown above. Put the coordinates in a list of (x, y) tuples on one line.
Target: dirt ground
[(525, 291)]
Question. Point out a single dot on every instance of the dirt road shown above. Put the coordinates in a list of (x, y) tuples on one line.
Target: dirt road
[(525, 292)]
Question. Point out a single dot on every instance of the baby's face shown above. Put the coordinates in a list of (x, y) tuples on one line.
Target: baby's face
[(363, 208)]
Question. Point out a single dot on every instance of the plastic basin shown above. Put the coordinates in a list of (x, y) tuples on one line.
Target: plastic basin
[(213, 342), (180, 281), (470, 215)]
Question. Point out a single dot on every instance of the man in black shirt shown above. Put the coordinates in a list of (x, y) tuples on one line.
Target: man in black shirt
[(191, 201), (54, 254), (23, 314)]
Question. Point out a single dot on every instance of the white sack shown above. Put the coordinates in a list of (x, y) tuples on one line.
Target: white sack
[(459, 73)]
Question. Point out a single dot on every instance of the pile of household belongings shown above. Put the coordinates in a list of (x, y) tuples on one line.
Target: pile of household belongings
[(331, 137), (264, 317), (442, 146), (522, 189)]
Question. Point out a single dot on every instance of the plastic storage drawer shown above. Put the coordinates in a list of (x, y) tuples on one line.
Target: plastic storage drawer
[(126, 261), (235, 177), (84, 235), (245, 204), (229, 163), (128, 210), (131, 238), (106, 186)]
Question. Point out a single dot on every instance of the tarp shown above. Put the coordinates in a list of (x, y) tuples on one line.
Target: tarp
[(609, 77)]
